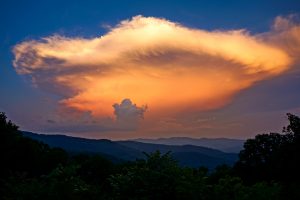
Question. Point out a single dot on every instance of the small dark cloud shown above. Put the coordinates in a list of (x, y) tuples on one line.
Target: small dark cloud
[(76, 128), (51, 121)]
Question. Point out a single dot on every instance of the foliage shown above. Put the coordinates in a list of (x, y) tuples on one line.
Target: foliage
[(272, 157), (268, 168)]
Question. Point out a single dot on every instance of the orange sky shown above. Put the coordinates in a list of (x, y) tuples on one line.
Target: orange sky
[(155, 62)]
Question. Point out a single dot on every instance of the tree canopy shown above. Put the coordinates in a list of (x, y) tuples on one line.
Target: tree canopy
[(268, 168)]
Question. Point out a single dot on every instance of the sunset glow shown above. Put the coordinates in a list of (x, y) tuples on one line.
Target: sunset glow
[(148, 60)]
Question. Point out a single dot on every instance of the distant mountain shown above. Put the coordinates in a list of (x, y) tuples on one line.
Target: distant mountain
[(186, 155), (82, 145), (223, 144)]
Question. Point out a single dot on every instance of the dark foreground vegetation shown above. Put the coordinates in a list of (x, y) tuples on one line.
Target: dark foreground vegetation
[(268, 168)]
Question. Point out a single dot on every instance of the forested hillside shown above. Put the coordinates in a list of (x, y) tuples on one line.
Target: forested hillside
[(268, 168), (118, 151)]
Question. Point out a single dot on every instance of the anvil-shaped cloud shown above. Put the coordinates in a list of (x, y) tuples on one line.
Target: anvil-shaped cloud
[(153, 61)]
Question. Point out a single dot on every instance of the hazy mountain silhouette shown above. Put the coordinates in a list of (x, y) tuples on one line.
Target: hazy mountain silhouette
[(223, 144), (186, 155), (82, 145)]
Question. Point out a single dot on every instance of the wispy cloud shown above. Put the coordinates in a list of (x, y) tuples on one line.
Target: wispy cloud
[(153, 61)]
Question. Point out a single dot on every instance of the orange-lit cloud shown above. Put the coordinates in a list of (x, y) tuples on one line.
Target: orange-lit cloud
[(285, 34), (155, 62)]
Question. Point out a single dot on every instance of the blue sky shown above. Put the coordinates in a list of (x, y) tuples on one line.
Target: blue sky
[(259, 108)]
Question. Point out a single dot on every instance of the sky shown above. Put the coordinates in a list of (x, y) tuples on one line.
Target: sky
[(150, 69)]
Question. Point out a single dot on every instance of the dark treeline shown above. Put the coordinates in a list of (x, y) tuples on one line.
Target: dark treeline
[(268, 168)]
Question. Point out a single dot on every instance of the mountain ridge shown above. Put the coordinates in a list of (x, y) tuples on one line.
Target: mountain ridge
[(227, 145), (186, 155)]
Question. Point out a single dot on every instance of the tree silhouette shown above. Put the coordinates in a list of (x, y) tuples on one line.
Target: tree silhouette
[(272, 156), (268, 168)]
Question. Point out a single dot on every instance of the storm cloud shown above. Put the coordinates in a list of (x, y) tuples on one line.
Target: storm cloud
[(153, 61)]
